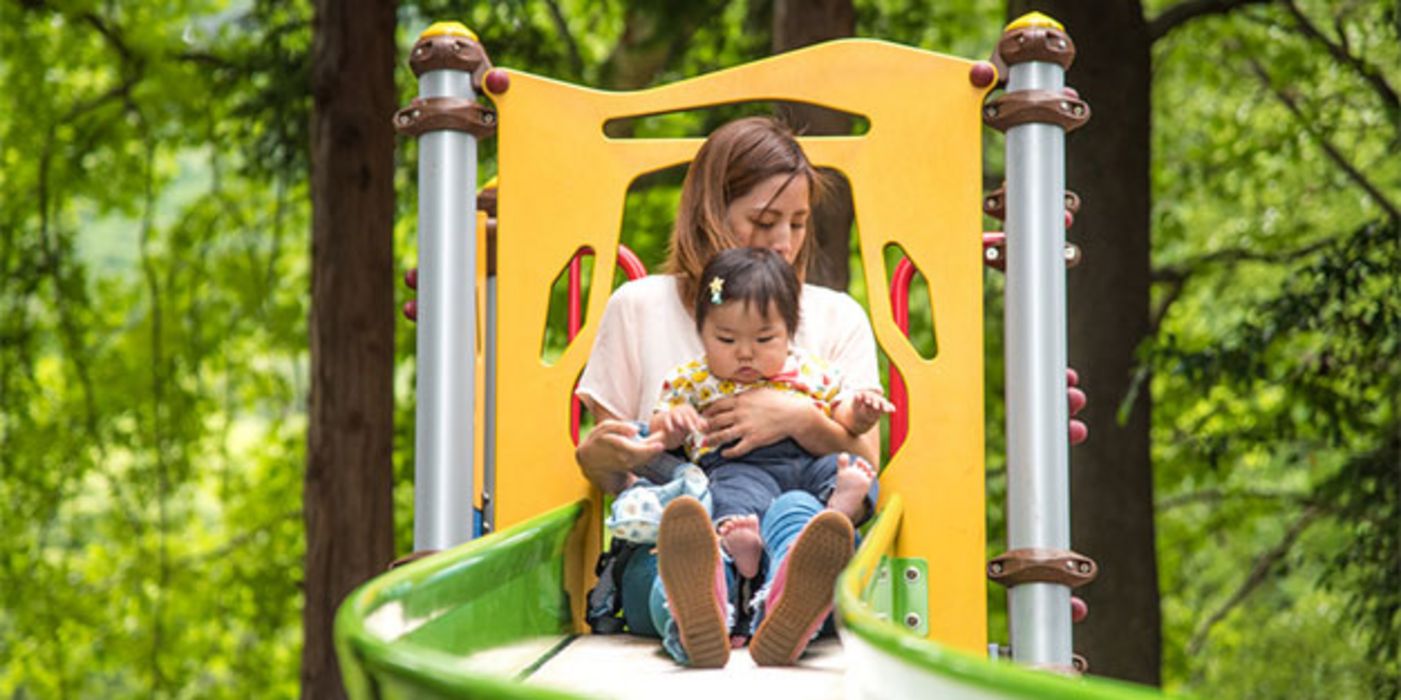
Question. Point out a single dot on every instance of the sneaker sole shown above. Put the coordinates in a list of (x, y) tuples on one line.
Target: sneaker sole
[(814, 562), (687, 559)]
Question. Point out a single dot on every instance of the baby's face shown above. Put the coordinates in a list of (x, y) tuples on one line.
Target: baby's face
[(742, 344)]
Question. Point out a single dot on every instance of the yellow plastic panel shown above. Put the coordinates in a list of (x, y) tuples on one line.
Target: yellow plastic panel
[(916, 178)]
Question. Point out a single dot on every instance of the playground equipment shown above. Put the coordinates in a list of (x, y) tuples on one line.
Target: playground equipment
[(501, 616)]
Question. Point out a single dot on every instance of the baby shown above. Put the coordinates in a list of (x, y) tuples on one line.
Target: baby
[(747, 313)]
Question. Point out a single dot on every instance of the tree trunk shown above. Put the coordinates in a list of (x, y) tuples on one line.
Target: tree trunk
[(348, 507), (797, 24), (1111, 474)]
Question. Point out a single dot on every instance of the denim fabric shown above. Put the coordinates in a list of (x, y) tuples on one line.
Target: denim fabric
[(746, 485), (780, 527), (644, 602)]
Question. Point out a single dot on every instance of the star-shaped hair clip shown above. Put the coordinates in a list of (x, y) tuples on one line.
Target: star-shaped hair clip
[(717, 285)]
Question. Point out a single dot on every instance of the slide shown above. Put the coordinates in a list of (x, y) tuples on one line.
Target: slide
[(491, 619)]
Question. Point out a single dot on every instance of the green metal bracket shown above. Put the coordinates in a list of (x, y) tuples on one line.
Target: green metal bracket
[(899, 591)]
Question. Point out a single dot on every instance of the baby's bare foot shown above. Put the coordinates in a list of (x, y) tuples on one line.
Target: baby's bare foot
[(740, 537), (854, 477)]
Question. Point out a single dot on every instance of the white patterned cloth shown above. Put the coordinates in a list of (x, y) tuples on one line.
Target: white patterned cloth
[(637, 511)]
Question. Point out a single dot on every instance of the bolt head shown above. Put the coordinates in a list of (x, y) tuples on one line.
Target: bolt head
[(982, 74), (497, 81), (912, 620), (911, 573)]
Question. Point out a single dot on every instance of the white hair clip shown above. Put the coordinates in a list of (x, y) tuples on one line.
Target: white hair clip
[(717, 285)]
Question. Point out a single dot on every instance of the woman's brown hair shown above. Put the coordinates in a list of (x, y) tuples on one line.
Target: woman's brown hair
[(737, 157)]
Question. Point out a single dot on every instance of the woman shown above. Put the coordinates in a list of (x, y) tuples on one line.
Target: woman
[(749, 185)]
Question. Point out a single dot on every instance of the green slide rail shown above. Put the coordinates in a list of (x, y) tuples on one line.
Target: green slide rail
[(426, 630)]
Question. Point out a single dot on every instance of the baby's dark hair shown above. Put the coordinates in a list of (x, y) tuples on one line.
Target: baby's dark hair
[(755, 276)]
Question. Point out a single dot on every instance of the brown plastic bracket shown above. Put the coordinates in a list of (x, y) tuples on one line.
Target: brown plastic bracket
[(438, 113), (1036, 565), (1078, 666), (1072, 255), (448, 52), (995, 251), (1072, 202), (1036, 44), (995, 203), (1042, 106)]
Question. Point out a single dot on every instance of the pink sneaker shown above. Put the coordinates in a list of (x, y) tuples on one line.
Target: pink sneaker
[(802, 591), (688, 559)]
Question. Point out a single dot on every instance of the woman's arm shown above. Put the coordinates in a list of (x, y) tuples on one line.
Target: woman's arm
[(611, 450), (764, 416)]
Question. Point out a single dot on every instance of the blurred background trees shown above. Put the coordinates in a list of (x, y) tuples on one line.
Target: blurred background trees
[(156, 372)]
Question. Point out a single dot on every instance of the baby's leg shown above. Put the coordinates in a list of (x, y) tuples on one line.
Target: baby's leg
[(739, 535), (846, 480), (740, 492)]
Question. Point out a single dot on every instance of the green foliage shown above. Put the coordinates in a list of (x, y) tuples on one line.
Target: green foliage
[(1276, 371), (151, 369)]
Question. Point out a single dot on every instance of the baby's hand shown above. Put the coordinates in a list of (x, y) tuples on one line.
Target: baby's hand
[(677, 423), (866, 409)]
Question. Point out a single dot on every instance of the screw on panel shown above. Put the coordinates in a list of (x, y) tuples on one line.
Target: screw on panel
[(911, 574), (912, 620)]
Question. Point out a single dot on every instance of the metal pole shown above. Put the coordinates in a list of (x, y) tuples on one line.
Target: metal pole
[(1038, 479), (1039, 569), (447, 249), (489, 450)]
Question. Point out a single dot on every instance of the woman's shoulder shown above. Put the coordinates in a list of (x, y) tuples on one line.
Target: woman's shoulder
[(649, 289), (829, 303)]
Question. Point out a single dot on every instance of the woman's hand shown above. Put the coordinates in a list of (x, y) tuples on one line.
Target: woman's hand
[(756, 418), (610, 452)]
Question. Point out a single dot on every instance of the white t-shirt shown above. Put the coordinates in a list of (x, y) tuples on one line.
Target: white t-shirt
[(646, 332)]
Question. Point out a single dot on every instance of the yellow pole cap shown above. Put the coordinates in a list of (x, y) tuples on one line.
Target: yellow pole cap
[(1034, 19), (448, 29)]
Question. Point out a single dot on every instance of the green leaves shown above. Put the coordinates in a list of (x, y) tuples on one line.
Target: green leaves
[(1275, 368)]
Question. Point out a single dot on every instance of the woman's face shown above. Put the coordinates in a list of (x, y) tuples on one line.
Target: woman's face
[(774, 215)]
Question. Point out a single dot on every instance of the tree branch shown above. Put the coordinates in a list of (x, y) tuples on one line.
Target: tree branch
[(1333, 153), (1340, 51), (1176, 276), (1230, 256), (1185, 11), (1155, 318), (1259, 573), (576, 61), (1219, 495)]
